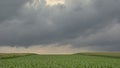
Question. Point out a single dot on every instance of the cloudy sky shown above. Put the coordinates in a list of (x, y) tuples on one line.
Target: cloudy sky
[(59, 26)]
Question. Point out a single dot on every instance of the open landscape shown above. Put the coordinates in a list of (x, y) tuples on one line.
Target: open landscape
[(78, 60), (59, 33)]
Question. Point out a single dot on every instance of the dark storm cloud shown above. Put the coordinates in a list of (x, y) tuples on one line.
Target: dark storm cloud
[(78, 23), (9, 8)]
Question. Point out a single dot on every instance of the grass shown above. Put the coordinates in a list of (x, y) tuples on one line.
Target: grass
[(60, 61), (102, 54), (13, 55)]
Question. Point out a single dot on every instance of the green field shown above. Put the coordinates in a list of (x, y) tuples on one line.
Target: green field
[(102, 54), (14, 55), (60, 61)]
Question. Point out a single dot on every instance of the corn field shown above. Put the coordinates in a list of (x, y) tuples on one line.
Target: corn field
[(60, 61)]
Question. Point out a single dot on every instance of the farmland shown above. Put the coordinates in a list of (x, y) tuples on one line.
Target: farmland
[(60, 61), (13, 55), (102, 54)]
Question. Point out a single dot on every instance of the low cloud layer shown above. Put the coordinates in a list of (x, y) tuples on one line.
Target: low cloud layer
[(80, 23), (39, 49)]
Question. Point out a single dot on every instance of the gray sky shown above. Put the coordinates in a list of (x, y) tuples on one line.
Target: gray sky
[(85, 25)]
